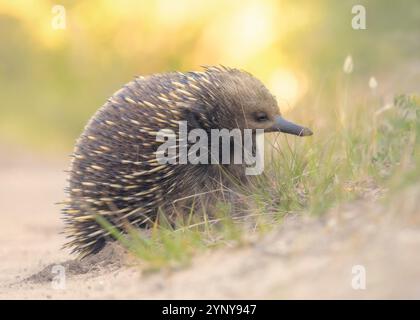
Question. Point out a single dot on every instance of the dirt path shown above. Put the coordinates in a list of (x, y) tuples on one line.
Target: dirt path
[(304, 258)]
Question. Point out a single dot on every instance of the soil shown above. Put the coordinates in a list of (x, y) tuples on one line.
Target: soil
[(305, 257)]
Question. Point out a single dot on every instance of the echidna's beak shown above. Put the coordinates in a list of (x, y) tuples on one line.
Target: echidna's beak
[(285, 126)]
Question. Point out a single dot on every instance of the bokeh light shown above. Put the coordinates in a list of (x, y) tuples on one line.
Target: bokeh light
[(54, 79)]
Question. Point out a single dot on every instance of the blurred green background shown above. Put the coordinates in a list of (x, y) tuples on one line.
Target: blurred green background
[(52, 80)]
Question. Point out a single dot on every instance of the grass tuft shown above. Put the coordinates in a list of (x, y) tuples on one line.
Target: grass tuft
[(369, 148)]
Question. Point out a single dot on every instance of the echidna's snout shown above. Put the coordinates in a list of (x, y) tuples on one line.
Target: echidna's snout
[(282, 125)]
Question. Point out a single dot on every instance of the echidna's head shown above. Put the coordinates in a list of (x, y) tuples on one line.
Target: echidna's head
[(241, 101)]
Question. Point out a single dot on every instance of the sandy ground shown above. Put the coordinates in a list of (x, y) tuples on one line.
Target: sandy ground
[(303, 258)]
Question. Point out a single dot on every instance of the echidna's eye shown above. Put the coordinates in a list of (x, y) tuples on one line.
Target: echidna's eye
[(261, 116)]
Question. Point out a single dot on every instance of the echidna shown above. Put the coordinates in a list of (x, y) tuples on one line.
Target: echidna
[(114, 170)]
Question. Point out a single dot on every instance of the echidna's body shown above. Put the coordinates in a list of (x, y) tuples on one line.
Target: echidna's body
[(115, 172)]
